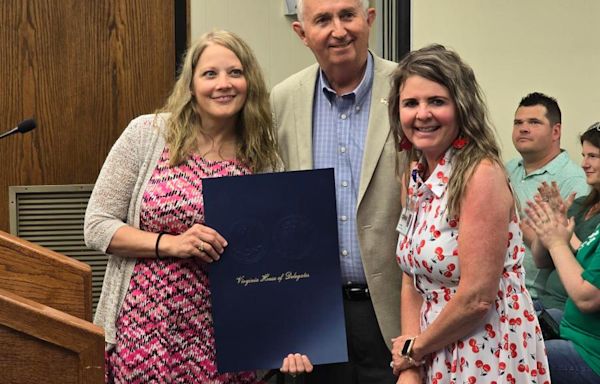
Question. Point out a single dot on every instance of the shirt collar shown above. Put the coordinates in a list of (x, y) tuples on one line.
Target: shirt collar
[(360, 92), (552, 167), (439, 178)]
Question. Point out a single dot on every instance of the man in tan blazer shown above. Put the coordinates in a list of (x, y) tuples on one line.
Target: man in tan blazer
[(334, 114)]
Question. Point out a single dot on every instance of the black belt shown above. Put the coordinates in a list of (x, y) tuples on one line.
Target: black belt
[(356, 292)]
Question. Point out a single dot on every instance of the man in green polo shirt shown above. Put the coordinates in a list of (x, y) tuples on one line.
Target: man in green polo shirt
[(536, 136)]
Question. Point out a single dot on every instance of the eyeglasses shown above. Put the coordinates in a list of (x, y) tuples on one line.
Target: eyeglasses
[(595, 126)]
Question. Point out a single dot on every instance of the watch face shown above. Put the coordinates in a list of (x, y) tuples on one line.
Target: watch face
[(407, 347)]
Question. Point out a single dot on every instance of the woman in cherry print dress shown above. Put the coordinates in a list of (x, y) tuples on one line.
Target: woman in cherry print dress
[(466, 316)]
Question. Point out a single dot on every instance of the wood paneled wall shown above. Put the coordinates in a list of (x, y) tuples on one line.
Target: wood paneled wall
[(84, 69)]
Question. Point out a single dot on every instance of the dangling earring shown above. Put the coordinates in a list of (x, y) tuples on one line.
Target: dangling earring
[(404, 144), (460, 142)]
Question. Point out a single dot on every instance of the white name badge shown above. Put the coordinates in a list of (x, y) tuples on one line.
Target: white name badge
[(406, 218)]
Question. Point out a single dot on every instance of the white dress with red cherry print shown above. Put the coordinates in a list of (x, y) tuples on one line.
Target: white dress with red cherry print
[(508, 347)]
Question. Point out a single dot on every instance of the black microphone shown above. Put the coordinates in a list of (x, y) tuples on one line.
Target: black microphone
[(24, 126)]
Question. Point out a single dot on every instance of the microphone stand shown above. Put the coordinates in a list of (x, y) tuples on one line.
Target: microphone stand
[(24, 126)]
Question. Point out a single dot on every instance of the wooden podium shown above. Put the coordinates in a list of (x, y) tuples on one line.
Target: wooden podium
[(46, 334)]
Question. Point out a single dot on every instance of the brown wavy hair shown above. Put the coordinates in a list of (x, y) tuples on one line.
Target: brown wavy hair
[(592, 136), (443, 66), (257, 143)]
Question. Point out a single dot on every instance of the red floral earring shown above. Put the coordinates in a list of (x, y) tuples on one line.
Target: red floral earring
[(404, 144), (460, 142)]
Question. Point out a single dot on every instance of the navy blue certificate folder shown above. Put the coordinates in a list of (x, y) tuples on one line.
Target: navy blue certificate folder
[(277, 287)]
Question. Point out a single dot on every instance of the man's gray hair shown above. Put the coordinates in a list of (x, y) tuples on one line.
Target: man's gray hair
[(300, 8)]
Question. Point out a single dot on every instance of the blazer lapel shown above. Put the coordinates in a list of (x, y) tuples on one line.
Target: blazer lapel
[(303, 105), (377, 132)]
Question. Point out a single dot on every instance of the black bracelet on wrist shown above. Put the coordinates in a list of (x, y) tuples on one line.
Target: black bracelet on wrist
[(156, 246)]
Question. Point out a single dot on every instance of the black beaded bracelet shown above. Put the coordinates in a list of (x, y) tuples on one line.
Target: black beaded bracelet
[(156, 246)]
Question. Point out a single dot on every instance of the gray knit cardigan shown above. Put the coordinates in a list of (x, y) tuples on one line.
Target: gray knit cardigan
[(115, 202)]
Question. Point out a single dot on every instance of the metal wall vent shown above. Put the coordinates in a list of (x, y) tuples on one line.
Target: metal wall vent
[(52, 216)]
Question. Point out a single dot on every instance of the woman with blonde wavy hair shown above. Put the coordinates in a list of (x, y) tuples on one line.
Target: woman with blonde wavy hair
[(147, 213), (466, 316)]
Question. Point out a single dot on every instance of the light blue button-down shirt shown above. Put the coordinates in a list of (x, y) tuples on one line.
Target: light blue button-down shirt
[(339, 134)]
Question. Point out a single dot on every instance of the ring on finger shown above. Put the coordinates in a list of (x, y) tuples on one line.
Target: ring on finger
[(201, 246)]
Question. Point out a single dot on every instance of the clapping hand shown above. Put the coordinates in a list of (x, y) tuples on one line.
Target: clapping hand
[(551, 226), (551, 195)]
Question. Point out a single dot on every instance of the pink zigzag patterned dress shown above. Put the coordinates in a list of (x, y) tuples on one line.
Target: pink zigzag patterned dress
[(164, 329)]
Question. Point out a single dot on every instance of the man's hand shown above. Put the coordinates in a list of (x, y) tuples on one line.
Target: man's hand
[(296, 364)]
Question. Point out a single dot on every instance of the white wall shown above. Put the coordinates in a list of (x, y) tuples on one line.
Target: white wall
[(519, 46), (265, 28), (514, 46)]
